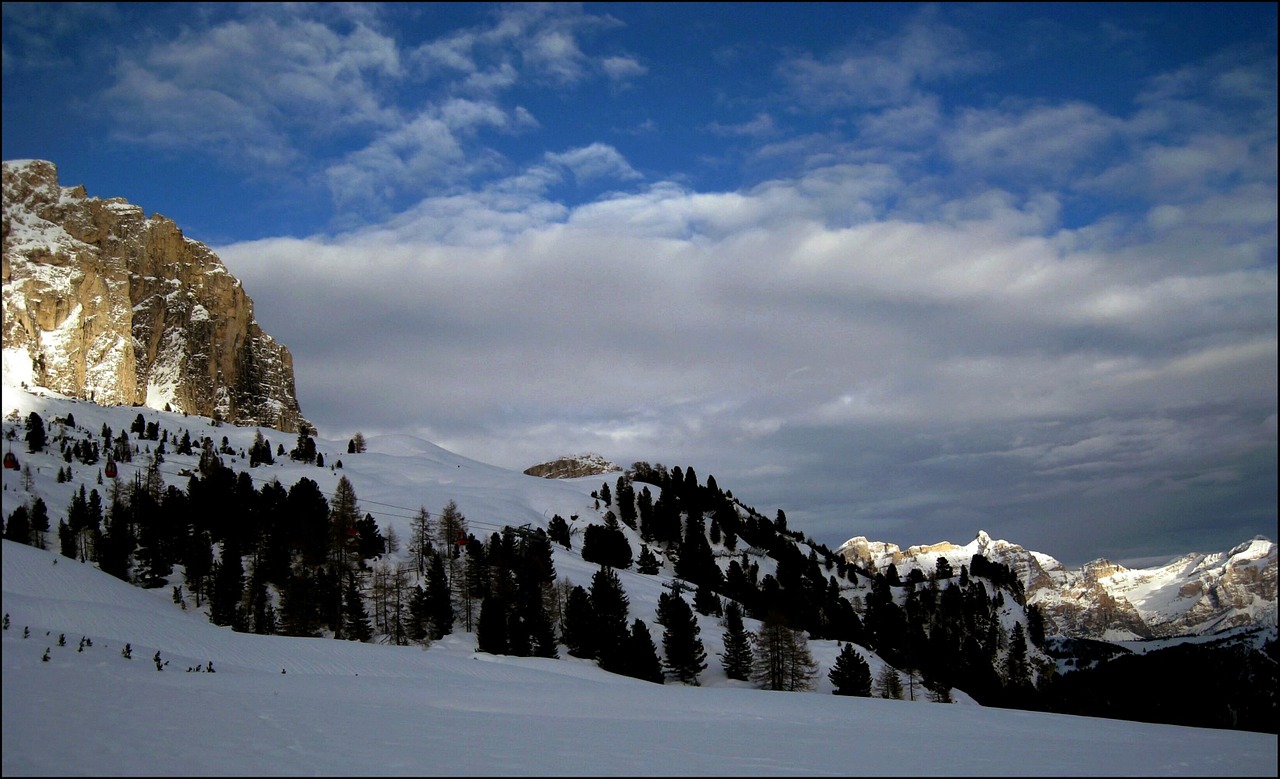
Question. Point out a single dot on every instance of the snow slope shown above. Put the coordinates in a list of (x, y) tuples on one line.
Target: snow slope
[(345, 708)]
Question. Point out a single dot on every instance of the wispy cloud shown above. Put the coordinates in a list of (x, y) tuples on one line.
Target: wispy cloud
[(885, 73)]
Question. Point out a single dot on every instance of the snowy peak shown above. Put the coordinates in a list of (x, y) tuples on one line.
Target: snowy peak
[(1192, 594), (103, 303)]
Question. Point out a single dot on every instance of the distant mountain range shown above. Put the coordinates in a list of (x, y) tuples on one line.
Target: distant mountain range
[(1195, 594)]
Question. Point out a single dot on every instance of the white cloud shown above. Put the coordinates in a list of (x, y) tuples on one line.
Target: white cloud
[(890, 72), (622, 68), (596, 161), (760, 127), (241, 90), (1047, 143)]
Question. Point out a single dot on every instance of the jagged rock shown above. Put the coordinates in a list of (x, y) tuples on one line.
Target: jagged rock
[(1194, 594), (572, 467), (104, 304)]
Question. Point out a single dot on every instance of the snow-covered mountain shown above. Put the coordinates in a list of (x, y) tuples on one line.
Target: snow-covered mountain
[(101, 302), (282, 705), (1194, 594)]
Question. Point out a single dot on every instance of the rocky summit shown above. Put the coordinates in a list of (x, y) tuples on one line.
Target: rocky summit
[(103, 303), (572, 466)]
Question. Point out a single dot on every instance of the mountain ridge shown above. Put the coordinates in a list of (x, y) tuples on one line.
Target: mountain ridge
[(1193, 593)]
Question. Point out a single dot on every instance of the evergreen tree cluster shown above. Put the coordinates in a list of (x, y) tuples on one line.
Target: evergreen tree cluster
[(295, 561)]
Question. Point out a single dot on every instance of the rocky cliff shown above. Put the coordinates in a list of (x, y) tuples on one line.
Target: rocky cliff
[(572, 467), (102, 303), (1193, 594)]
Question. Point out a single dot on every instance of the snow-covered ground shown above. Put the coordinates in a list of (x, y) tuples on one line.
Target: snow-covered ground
[(279, 705), (296, 706)]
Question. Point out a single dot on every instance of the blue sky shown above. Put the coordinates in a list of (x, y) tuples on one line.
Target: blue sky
[(905, 271)]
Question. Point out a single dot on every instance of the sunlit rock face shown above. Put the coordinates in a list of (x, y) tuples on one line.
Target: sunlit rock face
[(1193, 594), (102, 303)]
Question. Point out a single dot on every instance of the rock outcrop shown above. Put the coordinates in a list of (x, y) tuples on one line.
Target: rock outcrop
[(102, 303), (572, 467)]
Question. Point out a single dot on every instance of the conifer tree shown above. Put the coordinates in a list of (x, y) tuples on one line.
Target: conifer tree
[(782, 659), (578, 630), (850, 675), (491, 630), (228, 588), (888, 683), (1016, 673), (642, 655), (737, 656), (18, 527), (685, 656), (558, 529), (39, 522), (706, 602), (439, 599), (36, 436), (610, 603), (648, 561), (356, 618)]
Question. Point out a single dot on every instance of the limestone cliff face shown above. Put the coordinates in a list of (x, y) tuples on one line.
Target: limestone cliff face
[(104, 304)]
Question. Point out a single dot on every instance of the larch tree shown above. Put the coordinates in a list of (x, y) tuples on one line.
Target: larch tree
[(782, 660), (888, 683)]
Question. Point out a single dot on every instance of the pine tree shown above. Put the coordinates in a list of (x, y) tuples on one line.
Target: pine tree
[(642, 654), (228, 588), (439, 599), (491, 630), (706, 602), (1017, 675), (850, 675), (737, 656), (357, 627), (648, 561), (578, 629), (18, 526), (39, 522), (36, 437), (685, 656), (558, 529), (610, 604)]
